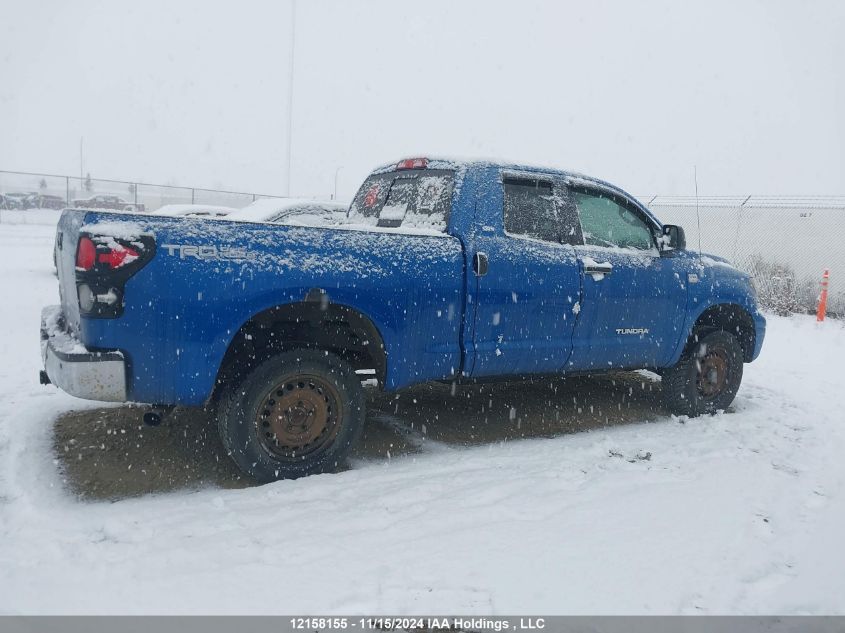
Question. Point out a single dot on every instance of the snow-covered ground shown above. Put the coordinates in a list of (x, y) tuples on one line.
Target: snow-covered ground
[(739, 513), (30, 216)]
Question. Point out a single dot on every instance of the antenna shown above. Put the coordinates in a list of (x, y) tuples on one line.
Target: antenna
[(697, 214)]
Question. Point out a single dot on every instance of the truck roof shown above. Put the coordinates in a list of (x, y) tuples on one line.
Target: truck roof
[(445, 162)]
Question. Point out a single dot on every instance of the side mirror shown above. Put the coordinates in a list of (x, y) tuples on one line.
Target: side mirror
[(674, 238)]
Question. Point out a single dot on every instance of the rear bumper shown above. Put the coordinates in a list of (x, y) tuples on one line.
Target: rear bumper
[(73, 368)]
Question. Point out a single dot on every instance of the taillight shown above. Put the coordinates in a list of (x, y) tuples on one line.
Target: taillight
[(113, 255), (104, 263), (118, 256), (412, 163), (86, 254)]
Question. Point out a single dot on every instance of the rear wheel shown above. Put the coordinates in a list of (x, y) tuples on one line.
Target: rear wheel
[(707, 377), (296, 414)]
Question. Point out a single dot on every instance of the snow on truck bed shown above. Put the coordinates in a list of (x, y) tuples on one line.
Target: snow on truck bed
[(738, 513)]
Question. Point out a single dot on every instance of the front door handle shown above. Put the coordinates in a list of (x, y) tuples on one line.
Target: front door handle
[(480, 264), (597, 268)]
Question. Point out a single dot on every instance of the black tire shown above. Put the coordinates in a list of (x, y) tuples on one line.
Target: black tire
[(706, 378), (295, 414)]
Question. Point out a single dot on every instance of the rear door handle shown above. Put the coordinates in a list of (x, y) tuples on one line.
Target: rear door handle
[(598, 268)]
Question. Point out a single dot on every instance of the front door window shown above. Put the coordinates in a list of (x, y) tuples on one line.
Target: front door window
[(608, 223)]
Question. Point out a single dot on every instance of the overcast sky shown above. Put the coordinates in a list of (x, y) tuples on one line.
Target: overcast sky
[(196, 93)]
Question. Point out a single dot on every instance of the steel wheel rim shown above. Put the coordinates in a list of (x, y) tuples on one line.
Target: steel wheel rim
[(712, 373), (298, 417)]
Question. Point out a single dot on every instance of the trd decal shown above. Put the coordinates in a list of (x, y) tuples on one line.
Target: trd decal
[(208, 252)]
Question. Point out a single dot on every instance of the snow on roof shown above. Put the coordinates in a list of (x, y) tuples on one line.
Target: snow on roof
[(455, 162)]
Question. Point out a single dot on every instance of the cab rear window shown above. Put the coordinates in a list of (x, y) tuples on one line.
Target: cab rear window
[(417, 199)]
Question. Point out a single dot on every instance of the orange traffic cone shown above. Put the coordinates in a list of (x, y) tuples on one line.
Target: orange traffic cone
[(823, 296)]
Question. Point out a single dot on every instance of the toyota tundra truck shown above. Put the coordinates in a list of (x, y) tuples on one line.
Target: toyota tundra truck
[(442, 271)]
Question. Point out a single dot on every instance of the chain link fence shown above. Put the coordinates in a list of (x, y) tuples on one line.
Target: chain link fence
[(23, 191), (785, 243)]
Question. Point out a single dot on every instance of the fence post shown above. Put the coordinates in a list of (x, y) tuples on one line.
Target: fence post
[(739, 225)]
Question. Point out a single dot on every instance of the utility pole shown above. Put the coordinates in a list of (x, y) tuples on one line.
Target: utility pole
[(290, 95), (80, 159), (336, 172)]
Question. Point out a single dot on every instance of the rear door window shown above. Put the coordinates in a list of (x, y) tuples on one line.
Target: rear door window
[(416, 199), (539, 209), (529, 209)]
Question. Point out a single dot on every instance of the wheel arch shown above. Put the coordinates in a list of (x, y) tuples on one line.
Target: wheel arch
[(732, 318), (316, 323)]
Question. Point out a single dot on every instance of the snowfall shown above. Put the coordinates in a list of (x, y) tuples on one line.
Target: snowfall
[(742, 512)]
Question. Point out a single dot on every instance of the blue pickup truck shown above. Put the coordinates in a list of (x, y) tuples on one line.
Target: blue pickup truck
[(441, 270)]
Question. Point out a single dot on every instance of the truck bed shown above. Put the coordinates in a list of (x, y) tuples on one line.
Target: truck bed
[(210, 276)]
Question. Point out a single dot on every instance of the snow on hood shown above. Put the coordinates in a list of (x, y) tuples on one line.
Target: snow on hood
[(715, 260)]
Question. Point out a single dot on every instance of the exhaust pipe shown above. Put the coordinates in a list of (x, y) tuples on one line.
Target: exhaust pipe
[(153, 418), (156, 415)]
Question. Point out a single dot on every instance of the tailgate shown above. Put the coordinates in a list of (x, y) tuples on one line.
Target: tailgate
[(67, 236)]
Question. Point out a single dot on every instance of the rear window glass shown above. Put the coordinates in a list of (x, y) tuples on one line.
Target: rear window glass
[(417, 199)]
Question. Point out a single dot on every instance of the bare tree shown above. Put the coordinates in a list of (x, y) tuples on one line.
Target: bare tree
[(778, 288)]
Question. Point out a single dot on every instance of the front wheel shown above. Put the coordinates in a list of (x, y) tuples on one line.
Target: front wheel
[(706, 378), (296, 414)]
